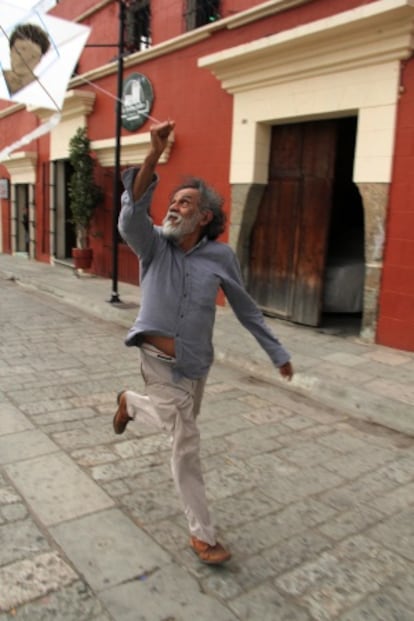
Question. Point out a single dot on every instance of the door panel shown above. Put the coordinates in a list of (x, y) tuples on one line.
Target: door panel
[(288, 243), (271, 262)]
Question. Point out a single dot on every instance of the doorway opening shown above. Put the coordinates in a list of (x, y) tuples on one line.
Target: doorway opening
[(22, 218), (306, 253), (343, 290), (65, 238)]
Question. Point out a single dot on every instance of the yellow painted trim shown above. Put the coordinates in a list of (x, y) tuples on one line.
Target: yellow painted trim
[(133, 149), (21, 166), (368, 35)]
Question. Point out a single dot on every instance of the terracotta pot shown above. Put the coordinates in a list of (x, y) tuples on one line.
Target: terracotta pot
[(82, 257)]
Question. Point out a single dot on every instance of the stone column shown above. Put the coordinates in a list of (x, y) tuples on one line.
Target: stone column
[(375, 200)]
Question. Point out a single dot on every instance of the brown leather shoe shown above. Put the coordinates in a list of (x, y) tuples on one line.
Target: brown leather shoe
[(212, 555), (121, 418)]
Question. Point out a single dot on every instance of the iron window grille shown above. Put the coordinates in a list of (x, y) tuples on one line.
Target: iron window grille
[(138, 25), (201, 12)]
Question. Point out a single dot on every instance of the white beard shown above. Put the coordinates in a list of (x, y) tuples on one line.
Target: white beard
[(175, 226)]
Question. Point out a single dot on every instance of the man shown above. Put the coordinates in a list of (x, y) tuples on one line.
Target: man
[(28, 43), (182, 268)]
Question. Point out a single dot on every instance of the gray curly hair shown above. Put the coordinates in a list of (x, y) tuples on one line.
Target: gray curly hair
[(210, 200)]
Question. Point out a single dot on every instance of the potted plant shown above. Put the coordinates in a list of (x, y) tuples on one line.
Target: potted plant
[(84, 196)]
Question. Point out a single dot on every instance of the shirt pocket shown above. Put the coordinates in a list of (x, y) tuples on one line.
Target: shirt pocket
[(204, 289)]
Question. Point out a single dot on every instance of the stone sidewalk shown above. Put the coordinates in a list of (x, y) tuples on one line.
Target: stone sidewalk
[(370, 382), (317, 507)]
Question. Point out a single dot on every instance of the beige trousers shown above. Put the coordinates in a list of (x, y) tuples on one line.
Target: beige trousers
[(173, 407)]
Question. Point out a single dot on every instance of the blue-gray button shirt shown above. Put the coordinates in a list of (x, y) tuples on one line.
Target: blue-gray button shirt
[(179, 289)]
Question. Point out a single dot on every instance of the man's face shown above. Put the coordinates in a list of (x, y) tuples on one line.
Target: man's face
[(183, 216), (24, 56)]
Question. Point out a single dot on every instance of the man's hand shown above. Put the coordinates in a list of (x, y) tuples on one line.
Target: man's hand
[(159, 136), (159, 140), (286, 371)]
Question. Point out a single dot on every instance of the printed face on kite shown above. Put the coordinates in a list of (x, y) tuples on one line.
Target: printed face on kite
[(24, 56)]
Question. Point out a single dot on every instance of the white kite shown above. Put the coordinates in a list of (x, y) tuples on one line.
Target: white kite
[(38, 54)]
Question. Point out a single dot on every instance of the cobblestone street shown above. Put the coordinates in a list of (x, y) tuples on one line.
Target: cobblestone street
[(317, 507)]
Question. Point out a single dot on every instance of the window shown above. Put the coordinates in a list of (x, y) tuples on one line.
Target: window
[(201, 12), (138, 26)]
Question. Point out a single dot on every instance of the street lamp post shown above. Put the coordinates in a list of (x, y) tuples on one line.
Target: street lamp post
[(118, 116)]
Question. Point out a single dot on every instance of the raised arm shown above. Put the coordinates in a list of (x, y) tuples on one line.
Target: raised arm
[(134, 224), (159, 139)]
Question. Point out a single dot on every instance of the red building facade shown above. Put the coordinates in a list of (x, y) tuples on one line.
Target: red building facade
[(299, 112)]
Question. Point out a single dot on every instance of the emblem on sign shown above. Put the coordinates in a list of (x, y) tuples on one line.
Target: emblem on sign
[(137, 99)]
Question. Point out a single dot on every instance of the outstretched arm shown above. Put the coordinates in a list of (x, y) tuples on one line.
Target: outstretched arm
[(252, 318), (159, 139)]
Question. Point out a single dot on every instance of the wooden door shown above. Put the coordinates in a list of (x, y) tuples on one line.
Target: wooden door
[(289, 238)]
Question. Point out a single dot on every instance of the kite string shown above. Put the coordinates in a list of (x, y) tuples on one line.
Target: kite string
[(103, 90)]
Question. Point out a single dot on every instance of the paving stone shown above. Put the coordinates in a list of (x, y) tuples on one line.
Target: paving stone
[(249, 442), (351, 522), (27, 579), (396, 390), (308, 482), (348, 360), (166, 594), (33, 395), (395, 501), (108, 548), (74, 414), (127, 468), (116, 488), (46, 405), (14, 512), (151, 477), (221, 585), (273, 560), (20, 539), (266, 604), (75, 602), (342, 373), (255, 402), (56, 488), (170, 535), (152, 503), (380, 607), (93, 456), (307, 454), (145, 446), (29, 443), (403, 589), (12, 420), (269, 415), (7, 495), (226, 422), (343, 442), (227, 481), (81, 437), (269, 467), (231, 512), (397, 533), (353, 464), (342, 577), (359, 491)]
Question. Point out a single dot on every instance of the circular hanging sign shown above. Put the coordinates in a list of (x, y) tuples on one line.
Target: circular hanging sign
[(137, 99)]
